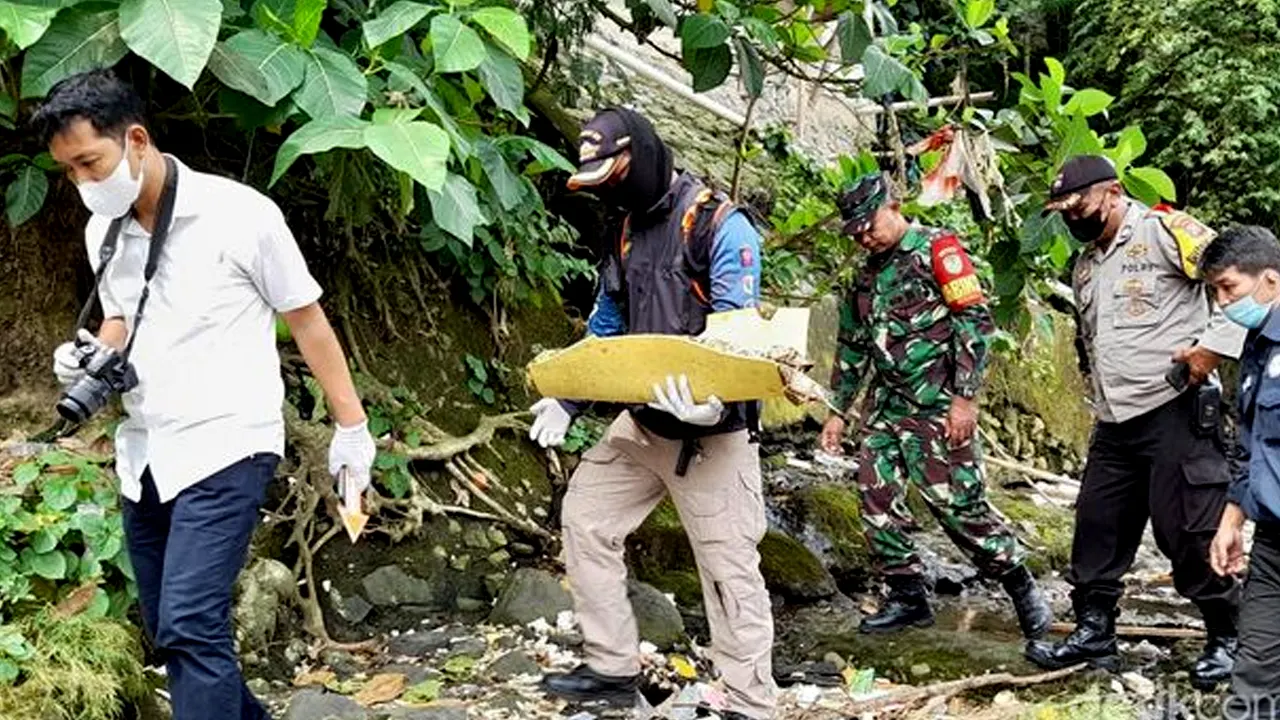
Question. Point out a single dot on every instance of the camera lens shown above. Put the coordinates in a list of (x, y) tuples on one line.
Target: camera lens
[(83, 399)]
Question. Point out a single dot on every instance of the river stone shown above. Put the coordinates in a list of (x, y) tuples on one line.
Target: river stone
[(313, 704), (444, 710), (659, 621), (389, 586), (265, 591), (422, 644), (792, 571), (512, 665), (469, 647), (530, 594)]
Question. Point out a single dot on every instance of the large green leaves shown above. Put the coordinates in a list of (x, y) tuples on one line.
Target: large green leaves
[(1088, 102), (25, 195), (24, 24), (504, 81), (332, 85), (319, 136), (174, 35), (507, 27), (418, 148), (664, 11), (259, 64), (751, 67), (1150, 184), (76, 41), (296, 20), (702, 31), (708, 66), (506, 184), (885, 75), (456, 47), (854, 37), (394, 22), (454, 208)]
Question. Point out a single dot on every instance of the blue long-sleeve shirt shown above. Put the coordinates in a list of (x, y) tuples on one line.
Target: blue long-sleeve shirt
[(1256, 484), (735, 277)]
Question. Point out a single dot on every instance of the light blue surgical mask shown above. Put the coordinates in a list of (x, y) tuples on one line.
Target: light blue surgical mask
[(1247, 311)]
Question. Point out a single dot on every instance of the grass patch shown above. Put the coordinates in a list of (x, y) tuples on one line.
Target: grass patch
[(83, 668)]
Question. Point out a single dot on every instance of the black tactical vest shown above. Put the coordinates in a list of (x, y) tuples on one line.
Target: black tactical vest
[(659, 275)]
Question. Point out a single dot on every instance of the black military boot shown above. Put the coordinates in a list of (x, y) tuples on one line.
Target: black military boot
[(1034, 615), (587, 685), (1218, 659), (907, 606), (1093, 641)]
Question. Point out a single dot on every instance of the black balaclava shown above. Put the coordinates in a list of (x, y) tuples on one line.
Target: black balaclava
[(649, 177)]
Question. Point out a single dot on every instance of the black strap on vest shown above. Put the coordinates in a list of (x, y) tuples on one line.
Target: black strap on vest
[(164, 218), (753, 422)]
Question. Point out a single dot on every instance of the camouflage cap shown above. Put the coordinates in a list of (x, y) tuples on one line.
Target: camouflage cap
[(859, 202)]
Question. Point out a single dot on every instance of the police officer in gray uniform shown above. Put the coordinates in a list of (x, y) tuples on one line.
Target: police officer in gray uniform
[(1152, 345)]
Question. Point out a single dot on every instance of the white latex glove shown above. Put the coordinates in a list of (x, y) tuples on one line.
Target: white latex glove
[(68, 356), (678, 401), (353, 448), (550, 423)]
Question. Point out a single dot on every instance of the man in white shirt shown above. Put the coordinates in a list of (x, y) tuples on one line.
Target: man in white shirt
[(205, 429)]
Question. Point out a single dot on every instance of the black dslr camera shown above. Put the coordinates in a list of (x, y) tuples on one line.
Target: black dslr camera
[(106, 373)]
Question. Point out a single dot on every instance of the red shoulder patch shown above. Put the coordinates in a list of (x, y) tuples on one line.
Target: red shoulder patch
[(954, 272)]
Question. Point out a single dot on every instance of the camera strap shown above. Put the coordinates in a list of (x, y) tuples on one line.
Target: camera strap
[(164, 218)]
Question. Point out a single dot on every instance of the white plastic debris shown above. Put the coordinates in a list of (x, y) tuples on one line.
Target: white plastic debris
[(807, 695), (1139, 685), (648, 648), (566, 621), (327, 585), (540, 626)]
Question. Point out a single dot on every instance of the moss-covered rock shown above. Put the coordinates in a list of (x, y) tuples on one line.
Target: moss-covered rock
[(1048, 530), (791, 571), (833, 514)]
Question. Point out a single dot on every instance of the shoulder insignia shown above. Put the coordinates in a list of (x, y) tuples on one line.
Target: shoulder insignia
[(954, 272), (1191, 236)]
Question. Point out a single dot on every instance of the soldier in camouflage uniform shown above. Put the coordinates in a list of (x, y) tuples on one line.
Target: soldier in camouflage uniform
[(918, 319)]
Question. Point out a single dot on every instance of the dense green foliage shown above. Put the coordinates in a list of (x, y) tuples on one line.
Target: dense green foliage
[(1204, 80)]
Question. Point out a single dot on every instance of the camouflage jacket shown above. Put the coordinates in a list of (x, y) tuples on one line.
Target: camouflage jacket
[(918, 317)]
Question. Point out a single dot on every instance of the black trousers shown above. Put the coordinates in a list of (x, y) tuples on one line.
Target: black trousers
[(1255, 683), (1153, 466)]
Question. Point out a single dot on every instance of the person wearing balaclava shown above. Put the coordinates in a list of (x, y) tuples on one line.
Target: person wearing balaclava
[(684, 253), (1152, 343)]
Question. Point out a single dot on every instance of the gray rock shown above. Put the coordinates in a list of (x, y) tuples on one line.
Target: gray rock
[(414, 674), (476, 536), (266, 590), (313, 704), (258, 686), (512, 665), (353, 609), (342, 663), (442, 712), (466, 604), (659, 621), (389, 586), (470, 647), (530, 594)]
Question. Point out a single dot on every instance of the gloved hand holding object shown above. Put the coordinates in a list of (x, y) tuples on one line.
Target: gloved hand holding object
[(69, 357), (550, 423), (677, 399), (353, 448)]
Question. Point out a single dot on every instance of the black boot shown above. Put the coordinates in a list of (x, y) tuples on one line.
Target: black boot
[(906, 606), (1093, 640), (587, 685), (1034, 615), (1215, 664)]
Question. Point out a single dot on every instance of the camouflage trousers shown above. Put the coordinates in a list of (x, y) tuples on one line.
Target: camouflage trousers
[(900, 448)]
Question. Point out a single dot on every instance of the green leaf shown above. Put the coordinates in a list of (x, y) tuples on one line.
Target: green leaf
[(502, 79), (419, 148), (43, 541), (395, 116), (393, 22), (50, 565), (8, 106), (174, 35), (506, 184), (76, 41), (886, 75), (259, 64), (319, 136), (709, 66), (59, 492), (702, 32), (9, 671), (276, 16), (854, 36), (1088, 102), (750, 67), (1051, 89), (25, 195), (423, 693), (24, 24), (507, 27), (454, 208), (978, 12), (333, 85), (664, 12), (1129, 146), (1056, 71), (456, 47), (26, 473), (306, 20), (543, 155), (99, 606), (1157, 180)]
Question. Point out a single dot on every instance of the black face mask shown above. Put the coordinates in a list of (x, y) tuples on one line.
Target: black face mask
[(1088, 228), (649, 176)]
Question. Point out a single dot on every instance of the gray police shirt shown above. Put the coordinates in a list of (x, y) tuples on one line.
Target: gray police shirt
[(1139, 300)]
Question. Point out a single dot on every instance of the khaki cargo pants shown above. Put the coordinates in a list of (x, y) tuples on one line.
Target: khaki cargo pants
[(620, 481)]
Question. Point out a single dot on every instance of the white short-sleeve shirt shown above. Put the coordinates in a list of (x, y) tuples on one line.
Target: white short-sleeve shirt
[(209, 389)]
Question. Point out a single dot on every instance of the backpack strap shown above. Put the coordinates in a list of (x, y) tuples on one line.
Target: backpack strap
[(699, 226)]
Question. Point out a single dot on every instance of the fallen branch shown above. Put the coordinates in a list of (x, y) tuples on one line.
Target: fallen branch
[(1139, 631), (450, 447), (1032, 472), (528, 526), (911, 696)]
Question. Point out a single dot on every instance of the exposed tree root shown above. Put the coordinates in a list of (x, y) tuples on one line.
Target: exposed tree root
[(904, 699), (312, 488)]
